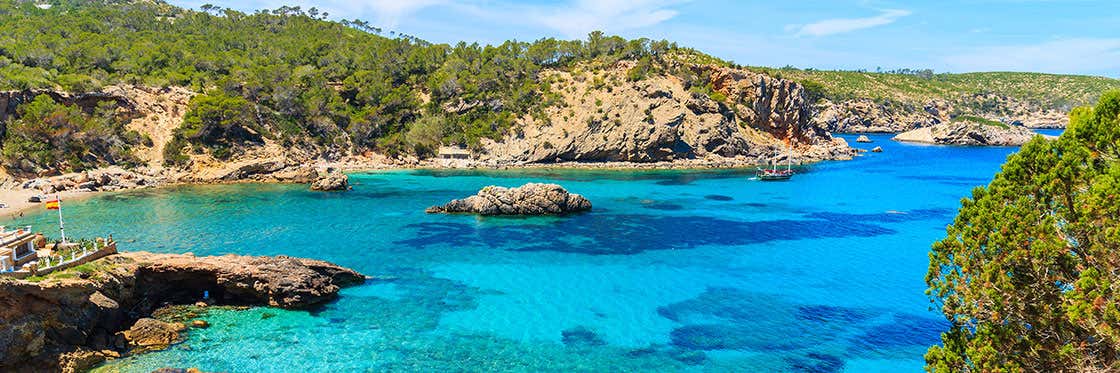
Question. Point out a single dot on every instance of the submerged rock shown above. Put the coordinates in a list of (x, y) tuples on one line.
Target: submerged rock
[(528, 199), (332, 181)]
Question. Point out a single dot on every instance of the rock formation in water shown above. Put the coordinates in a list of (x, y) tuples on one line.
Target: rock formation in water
[(528, 199), (968, 133), (72, 320), (331, 181), (151, 334)]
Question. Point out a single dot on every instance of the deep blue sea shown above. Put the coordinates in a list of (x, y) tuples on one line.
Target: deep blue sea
[(671, 271)]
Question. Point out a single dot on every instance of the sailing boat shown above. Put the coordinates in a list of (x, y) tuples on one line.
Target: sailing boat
[(775, 174)]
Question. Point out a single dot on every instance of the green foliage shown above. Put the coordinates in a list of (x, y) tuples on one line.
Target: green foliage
[(307, 80), (916, 87), (980, 120), (1028, 272), (51, 136), (215, 121), (427, 134)]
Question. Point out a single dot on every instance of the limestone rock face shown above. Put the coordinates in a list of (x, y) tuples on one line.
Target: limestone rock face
[(966, 133), (528, 199), (604, 117), (332, 181), (866, 115), (104, 179), (69, 324)]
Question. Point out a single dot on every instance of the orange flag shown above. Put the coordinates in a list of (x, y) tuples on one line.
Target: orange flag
[(52, 205)]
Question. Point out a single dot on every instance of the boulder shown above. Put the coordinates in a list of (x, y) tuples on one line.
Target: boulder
[(152, 334), (863, 138), (201, 324), (331, 182), (528, 199), (877, 149)]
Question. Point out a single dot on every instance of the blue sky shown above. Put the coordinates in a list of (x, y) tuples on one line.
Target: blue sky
[(1070, 36)]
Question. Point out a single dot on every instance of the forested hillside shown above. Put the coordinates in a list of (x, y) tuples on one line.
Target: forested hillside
[(291, 79), (1049, 91), (290, 75)]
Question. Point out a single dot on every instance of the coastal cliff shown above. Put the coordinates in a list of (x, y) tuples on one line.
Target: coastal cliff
[(968, 133), (70, 321), (604, 117), (865, 115)]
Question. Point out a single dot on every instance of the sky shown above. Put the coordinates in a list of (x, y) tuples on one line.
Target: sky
[(1053, 36)]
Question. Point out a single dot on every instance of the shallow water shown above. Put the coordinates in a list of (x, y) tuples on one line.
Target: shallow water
[(672, 270)]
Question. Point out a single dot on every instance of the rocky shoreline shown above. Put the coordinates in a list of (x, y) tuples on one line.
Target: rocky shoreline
[(15, 192), (72, 320), (967, 133)]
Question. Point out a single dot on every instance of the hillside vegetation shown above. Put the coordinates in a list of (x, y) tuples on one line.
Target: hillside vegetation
[(289, 78), (289, 75), (1048, 91), (1028, 271)]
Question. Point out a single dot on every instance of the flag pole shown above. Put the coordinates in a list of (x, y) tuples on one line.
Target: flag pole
[(61, 230)]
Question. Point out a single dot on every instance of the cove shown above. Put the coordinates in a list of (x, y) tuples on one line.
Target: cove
[(672, 270)]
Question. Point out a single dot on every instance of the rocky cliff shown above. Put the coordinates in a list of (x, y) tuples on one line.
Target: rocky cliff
[(968, 133), (603, 117), (860, 115), (70, 320)]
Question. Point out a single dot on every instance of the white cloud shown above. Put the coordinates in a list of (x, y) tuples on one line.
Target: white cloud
[(842, 25), (389, 13), (1071, 55), (578, 18)]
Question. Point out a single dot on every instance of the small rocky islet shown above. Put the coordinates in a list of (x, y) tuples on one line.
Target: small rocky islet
[(528, 199), (70, 321), (969, 133)]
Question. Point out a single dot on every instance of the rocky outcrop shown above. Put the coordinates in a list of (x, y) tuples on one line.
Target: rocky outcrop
[(866, 115), (331, 181), (604, 117), (151, 334), (69, 323), (528, 199), (863, 139), (106, 179), (968, 133)]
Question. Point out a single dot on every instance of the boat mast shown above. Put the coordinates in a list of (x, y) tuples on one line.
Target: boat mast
[(789, 159), (61, 230)]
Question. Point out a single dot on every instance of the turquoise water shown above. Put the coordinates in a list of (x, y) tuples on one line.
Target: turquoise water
[(672, 270)]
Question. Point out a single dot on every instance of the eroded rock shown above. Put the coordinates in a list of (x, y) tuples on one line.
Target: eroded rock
[(151, 334), (332, 181), (528, 199), (969, 133), (68, 323)]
